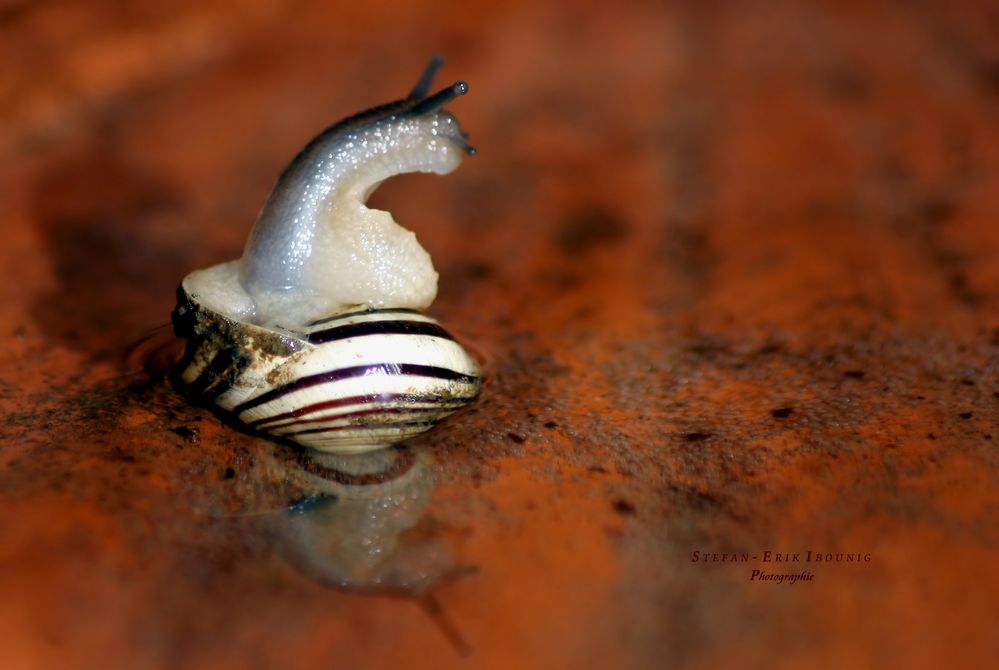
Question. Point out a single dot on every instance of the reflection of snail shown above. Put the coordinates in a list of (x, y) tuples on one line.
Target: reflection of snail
[(352, 521), (355, 522), (315, 334), (349, 529)]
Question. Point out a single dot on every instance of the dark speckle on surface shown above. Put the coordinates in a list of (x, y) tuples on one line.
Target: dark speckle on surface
[(187, 432), (590, 228), (782, 412), (119, 454), (938, 209), (623, 507)]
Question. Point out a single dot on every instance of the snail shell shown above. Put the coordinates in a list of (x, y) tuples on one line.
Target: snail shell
[(316, 334)]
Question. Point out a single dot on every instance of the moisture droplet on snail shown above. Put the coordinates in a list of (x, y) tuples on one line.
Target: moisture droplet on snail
[(316, 334)]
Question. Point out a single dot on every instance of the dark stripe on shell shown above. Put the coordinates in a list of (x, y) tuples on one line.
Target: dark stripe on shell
[(379, 328), (241, 361), (338, 317), (190, 352), (395, 369), (370, 429), (351, 400), (220, 374), (442, 408)]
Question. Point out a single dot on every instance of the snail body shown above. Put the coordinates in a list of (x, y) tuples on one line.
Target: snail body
[(316, 334)]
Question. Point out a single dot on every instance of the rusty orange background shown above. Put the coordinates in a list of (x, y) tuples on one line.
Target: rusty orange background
[(733, 267)]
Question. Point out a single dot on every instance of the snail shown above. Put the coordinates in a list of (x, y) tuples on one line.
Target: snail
[(316, 334)]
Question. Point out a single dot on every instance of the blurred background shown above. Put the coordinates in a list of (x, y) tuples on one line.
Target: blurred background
[(732, 267)]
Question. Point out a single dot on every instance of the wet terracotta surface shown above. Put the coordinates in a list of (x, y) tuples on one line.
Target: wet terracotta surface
[(733, 269)]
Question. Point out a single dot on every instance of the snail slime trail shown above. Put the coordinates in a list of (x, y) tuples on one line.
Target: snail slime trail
[(316, 335)]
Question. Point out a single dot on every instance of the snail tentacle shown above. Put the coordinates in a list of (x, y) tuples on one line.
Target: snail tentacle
[(439, 99), (427, 78)]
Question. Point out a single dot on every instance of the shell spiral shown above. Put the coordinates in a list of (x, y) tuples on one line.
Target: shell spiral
[(316, 335)]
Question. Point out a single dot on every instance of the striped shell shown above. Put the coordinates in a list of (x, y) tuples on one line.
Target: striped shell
[(351, 382)]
